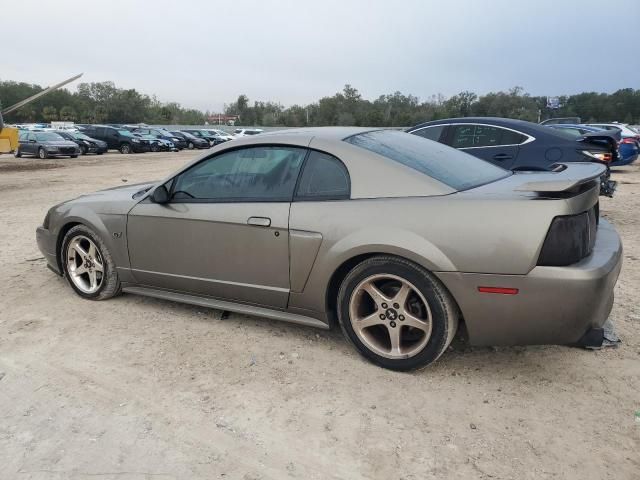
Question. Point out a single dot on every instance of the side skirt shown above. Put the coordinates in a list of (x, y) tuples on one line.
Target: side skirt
[(225, 305)]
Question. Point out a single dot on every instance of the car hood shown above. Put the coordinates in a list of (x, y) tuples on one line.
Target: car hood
[(113, 201)]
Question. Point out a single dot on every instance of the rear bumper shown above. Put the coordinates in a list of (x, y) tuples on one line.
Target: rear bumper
[(47, 245), (554, 305)]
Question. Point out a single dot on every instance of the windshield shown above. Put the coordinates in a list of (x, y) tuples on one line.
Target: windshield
[(48, 137), (125, 133), (452, 167), (82, 136), (188, 135)]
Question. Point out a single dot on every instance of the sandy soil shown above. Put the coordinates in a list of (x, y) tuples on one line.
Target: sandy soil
[(136, 388)]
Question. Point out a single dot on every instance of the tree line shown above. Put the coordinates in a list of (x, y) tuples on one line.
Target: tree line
[(103, 102)]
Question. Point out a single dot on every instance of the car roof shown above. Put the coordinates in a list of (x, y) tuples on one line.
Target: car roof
[(365, 167), (325, 133)]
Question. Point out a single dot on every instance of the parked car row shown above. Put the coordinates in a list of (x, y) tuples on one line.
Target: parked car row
[(126, 139)]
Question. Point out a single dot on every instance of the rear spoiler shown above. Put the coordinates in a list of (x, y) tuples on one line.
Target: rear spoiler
[(607, 138), (562, 178)]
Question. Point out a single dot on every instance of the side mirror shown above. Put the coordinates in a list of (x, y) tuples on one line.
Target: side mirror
[(160, 195)]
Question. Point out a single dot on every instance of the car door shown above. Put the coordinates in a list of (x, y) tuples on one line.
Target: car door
[(495, 144), (224, 232), (30, 144)]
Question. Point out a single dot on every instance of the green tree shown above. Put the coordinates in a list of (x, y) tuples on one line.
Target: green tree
[(49, 114)]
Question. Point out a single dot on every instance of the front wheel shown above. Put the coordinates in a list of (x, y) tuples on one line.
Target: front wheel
[(88, 265), (125, 148), (42, 153), (190, 146), (396, 313)]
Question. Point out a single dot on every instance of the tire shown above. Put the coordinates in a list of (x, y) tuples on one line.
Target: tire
[(17, 153), (42, 154), (125, 149), (428, 306), (83, 149), (190, 146), (154, 147), (109, 281), (74, 156), (100, 153)]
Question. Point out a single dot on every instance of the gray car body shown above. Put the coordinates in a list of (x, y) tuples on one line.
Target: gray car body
[(208, 254)]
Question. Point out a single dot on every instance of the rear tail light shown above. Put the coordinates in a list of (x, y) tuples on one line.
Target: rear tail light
[(600, 156), (629, 140), (570, 239)]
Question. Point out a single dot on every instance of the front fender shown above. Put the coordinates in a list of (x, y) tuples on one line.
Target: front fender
[(110, 227)]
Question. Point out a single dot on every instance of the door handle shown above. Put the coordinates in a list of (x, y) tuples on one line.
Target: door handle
[(502, 156), (259, 221)]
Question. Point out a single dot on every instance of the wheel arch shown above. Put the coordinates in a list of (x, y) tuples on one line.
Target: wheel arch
[(339, 273), (89, 219)]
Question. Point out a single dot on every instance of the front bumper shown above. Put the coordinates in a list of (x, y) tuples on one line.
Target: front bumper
[(140, 147), (554, 305), (47, 245)]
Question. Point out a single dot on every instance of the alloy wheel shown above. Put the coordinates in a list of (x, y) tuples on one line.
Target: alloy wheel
[(85, 264), (390, 316)]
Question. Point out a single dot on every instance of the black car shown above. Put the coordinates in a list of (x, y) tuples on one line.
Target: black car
[(117, 138), (210, 137), (191, 140), (44, 145), (156, 144), (520, 145), (162, 134), (86, 143)]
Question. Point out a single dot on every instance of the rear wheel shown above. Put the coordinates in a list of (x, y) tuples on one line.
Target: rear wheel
[(17, 153), (396, 313), (88, 265), (190, 146), (125, 148), (42, 153)]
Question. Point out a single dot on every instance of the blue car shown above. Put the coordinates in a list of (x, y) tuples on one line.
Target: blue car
[(628, 147)]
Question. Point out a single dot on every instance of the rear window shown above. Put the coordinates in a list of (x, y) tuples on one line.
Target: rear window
[(452, 167)]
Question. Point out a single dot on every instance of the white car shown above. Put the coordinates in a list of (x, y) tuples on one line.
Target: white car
[(626, 130), (221, 133), (241, 132)]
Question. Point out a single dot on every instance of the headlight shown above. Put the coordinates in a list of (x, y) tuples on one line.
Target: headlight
[(52, 149), (135, 140)]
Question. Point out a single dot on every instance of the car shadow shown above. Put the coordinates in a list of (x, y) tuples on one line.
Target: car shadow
[(495, 362)]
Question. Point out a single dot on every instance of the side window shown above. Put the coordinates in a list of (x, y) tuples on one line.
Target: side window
[(432, 133), (466, 136), (258, 174), (324, 178)]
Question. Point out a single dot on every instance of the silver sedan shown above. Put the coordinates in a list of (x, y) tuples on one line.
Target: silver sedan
[(392, 237)]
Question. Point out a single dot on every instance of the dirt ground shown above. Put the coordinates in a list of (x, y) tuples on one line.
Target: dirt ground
[(137, 388)]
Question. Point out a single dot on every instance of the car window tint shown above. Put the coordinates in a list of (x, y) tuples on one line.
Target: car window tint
[(466, 136), (431, 133), (457, 169), (323, 177), (248, 174)]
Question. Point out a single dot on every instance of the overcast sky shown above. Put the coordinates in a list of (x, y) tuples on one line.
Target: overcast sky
[(204, 53)]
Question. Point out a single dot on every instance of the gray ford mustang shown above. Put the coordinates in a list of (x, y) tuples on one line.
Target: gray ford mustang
[(394, 237)]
